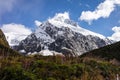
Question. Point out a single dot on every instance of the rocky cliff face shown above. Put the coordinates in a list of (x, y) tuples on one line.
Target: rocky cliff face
[(62, 35)]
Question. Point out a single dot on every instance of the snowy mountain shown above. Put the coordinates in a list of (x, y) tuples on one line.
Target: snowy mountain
[(15, 33), (62, 35)]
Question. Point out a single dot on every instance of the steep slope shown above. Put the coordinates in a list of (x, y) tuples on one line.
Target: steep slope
[(5, 49), (109, 53), (3, 40), (63, 35)]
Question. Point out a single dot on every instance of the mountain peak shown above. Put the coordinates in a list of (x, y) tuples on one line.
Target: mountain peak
[(61, 34), (61, 20), (61, 17)]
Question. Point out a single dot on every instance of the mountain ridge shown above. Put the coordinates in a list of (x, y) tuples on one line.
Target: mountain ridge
[(60, 32)]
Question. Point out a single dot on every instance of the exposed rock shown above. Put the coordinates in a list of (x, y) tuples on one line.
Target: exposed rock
[(58, 33)]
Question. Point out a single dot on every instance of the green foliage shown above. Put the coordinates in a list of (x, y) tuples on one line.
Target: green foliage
[(47, 68), (15, 73)]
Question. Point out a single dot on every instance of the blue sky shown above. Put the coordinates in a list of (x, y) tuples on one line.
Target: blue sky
[(25, 12)]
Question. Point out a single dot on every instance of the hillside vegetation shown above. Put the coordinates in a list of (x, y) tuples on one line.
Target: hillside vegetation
[(109, 53), (55, 68), (14, 66), (3, 40)]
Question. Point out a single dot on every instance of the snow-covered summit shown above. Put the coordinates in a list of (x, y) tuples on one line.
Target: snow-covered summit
[(63, 20), (61, 17), (62, 35)]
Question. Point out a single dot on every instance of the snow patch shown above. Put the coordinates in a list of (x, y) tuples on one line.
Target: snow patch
[(46, 53), (22, 51)]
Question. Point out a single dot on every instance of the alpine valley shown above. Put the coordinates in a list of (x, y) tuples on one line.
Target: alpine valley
[(99, 64), (59, 39), (58, 45)]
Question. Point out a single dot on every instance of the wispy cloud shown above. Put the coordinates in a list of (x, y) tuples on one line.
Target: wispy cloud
[(6, 6), (103, 10)]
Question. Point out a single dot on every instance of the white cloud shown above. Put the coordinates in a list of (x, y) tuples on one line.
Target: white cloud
[(116, 35), (37, 23), (6, 6), (15, 33), (103, 10)]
